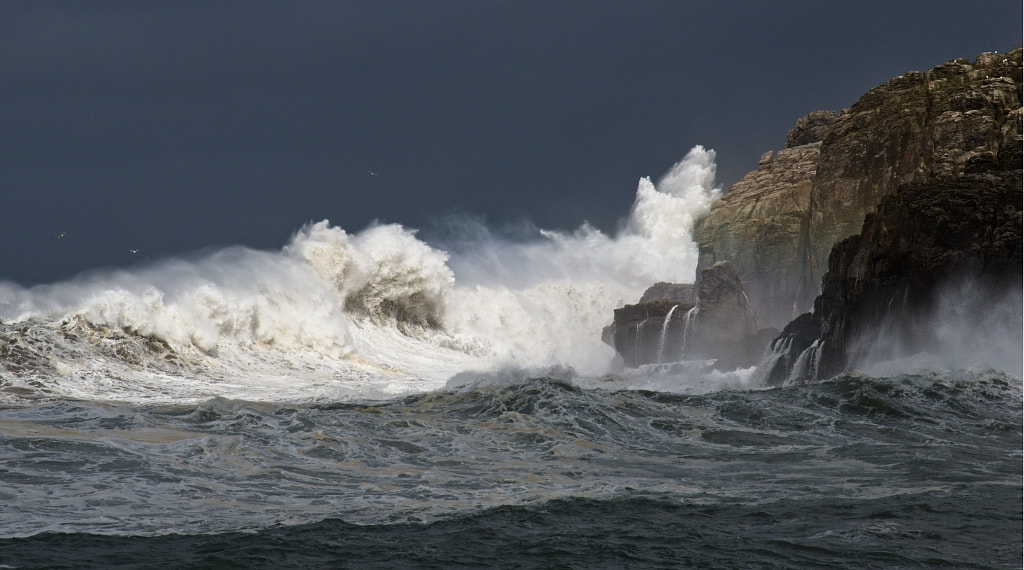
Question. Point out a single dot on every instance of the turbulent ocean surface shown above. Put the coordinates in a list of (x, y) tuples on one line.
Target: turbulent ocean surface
[(369, 400)]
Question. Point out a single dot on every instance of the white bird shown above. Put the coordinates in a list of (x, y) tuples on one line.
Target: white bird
[(133, 251), (62, 234), (372, 173)]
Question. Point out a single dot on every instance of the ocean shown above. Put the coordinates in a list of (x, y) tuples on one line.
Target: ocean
[(370, 400)]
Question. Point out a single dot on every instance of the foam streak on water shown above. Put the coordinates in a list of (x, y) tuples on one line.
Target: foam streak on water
[(130, 470)]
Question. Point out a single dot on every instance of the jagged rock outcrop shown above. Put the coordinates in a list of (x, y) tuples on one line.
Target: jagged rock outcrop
[(723, 327), (778, 224), (811, 128), (639, 332), (664, 326), (677, 292), (937, 268)]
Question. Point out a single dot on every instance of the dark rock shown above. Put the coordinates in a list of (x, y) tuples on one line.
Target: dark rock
[(724, 325), (638, 332), (782, 353), (666, 327), (811, 128), (931, 251), (678, 292)]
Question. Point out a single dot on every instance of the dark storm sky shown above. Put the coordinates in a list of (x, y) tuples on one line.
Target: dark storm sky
[(170, 127)]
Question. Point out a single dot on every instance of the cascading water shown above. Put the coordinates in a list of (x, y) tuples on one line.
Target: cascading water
[(687, 326), (748, 309), (806, 365), (638, 342), (777, 350), (664, 333)]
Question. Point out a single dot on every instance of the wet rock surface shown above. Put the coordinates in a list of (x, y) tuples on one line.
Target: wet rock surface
[(669, 324), (936, 268)]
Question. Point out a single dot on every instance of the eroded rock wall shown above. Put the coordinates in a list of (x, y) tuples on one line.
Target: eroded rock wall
[(651, 331), (937, 268), (724, 327), (760, 227), (779, 224)]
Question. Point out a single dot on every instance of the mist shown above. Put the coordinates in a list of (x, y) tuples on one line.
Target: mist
[(498, 303), (969, 324)]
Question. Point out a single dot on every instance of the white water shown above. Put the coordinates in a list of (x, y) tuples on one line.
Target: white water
[(376, 313), (688, 325), (664, 333)]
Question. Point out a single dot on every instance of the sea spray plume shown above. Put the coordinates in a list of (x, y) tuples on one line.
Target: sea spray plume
[(567, 284), (968, 325), (654, 242), (234, 296), (335, 294), (381, 272), (666, 213)]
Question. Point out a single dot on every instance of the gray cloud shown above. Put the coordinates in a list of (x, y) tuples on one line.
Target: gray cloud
[(170, 127)]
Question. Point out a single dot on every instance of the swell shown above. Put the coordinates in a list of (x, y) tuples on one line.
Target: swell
[(641, 532), (145, 470)]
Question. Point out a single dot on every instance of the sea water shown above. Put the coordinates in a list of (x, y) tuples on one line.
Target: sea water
[(370, 400)]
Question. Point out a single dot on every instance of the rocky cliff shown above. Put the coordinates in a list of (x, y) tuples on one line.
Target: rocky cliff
[(761, 226), (778, 225), (936, 268), (713, 322), (723, 327), (910, 200), (651, 331)]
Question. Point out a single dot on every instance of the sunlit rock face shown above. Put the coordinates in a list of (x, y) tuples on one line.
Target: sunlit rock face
[(760, 226), (811, 128), (779, 223)]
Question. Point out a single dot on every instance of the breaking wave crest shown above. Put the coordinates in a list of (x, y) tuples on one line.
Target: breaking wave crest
[(379, 303)]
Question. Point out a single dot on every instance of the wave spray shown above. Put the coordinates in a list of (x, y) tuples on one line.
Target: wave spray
[(378, 312)]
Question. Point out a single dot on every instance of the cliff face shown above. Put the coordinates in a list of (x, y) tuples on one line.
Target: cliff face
[(760, 227), (779, 224), (936, 264), (937, 267)]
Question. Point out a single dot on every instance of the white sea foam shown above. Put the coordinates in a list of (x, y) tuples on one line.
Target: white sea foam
[(377, 312)]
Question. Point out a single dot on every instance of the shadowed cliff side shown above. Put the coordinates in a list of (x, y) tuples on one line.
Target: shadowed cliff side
[(937, 269)]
